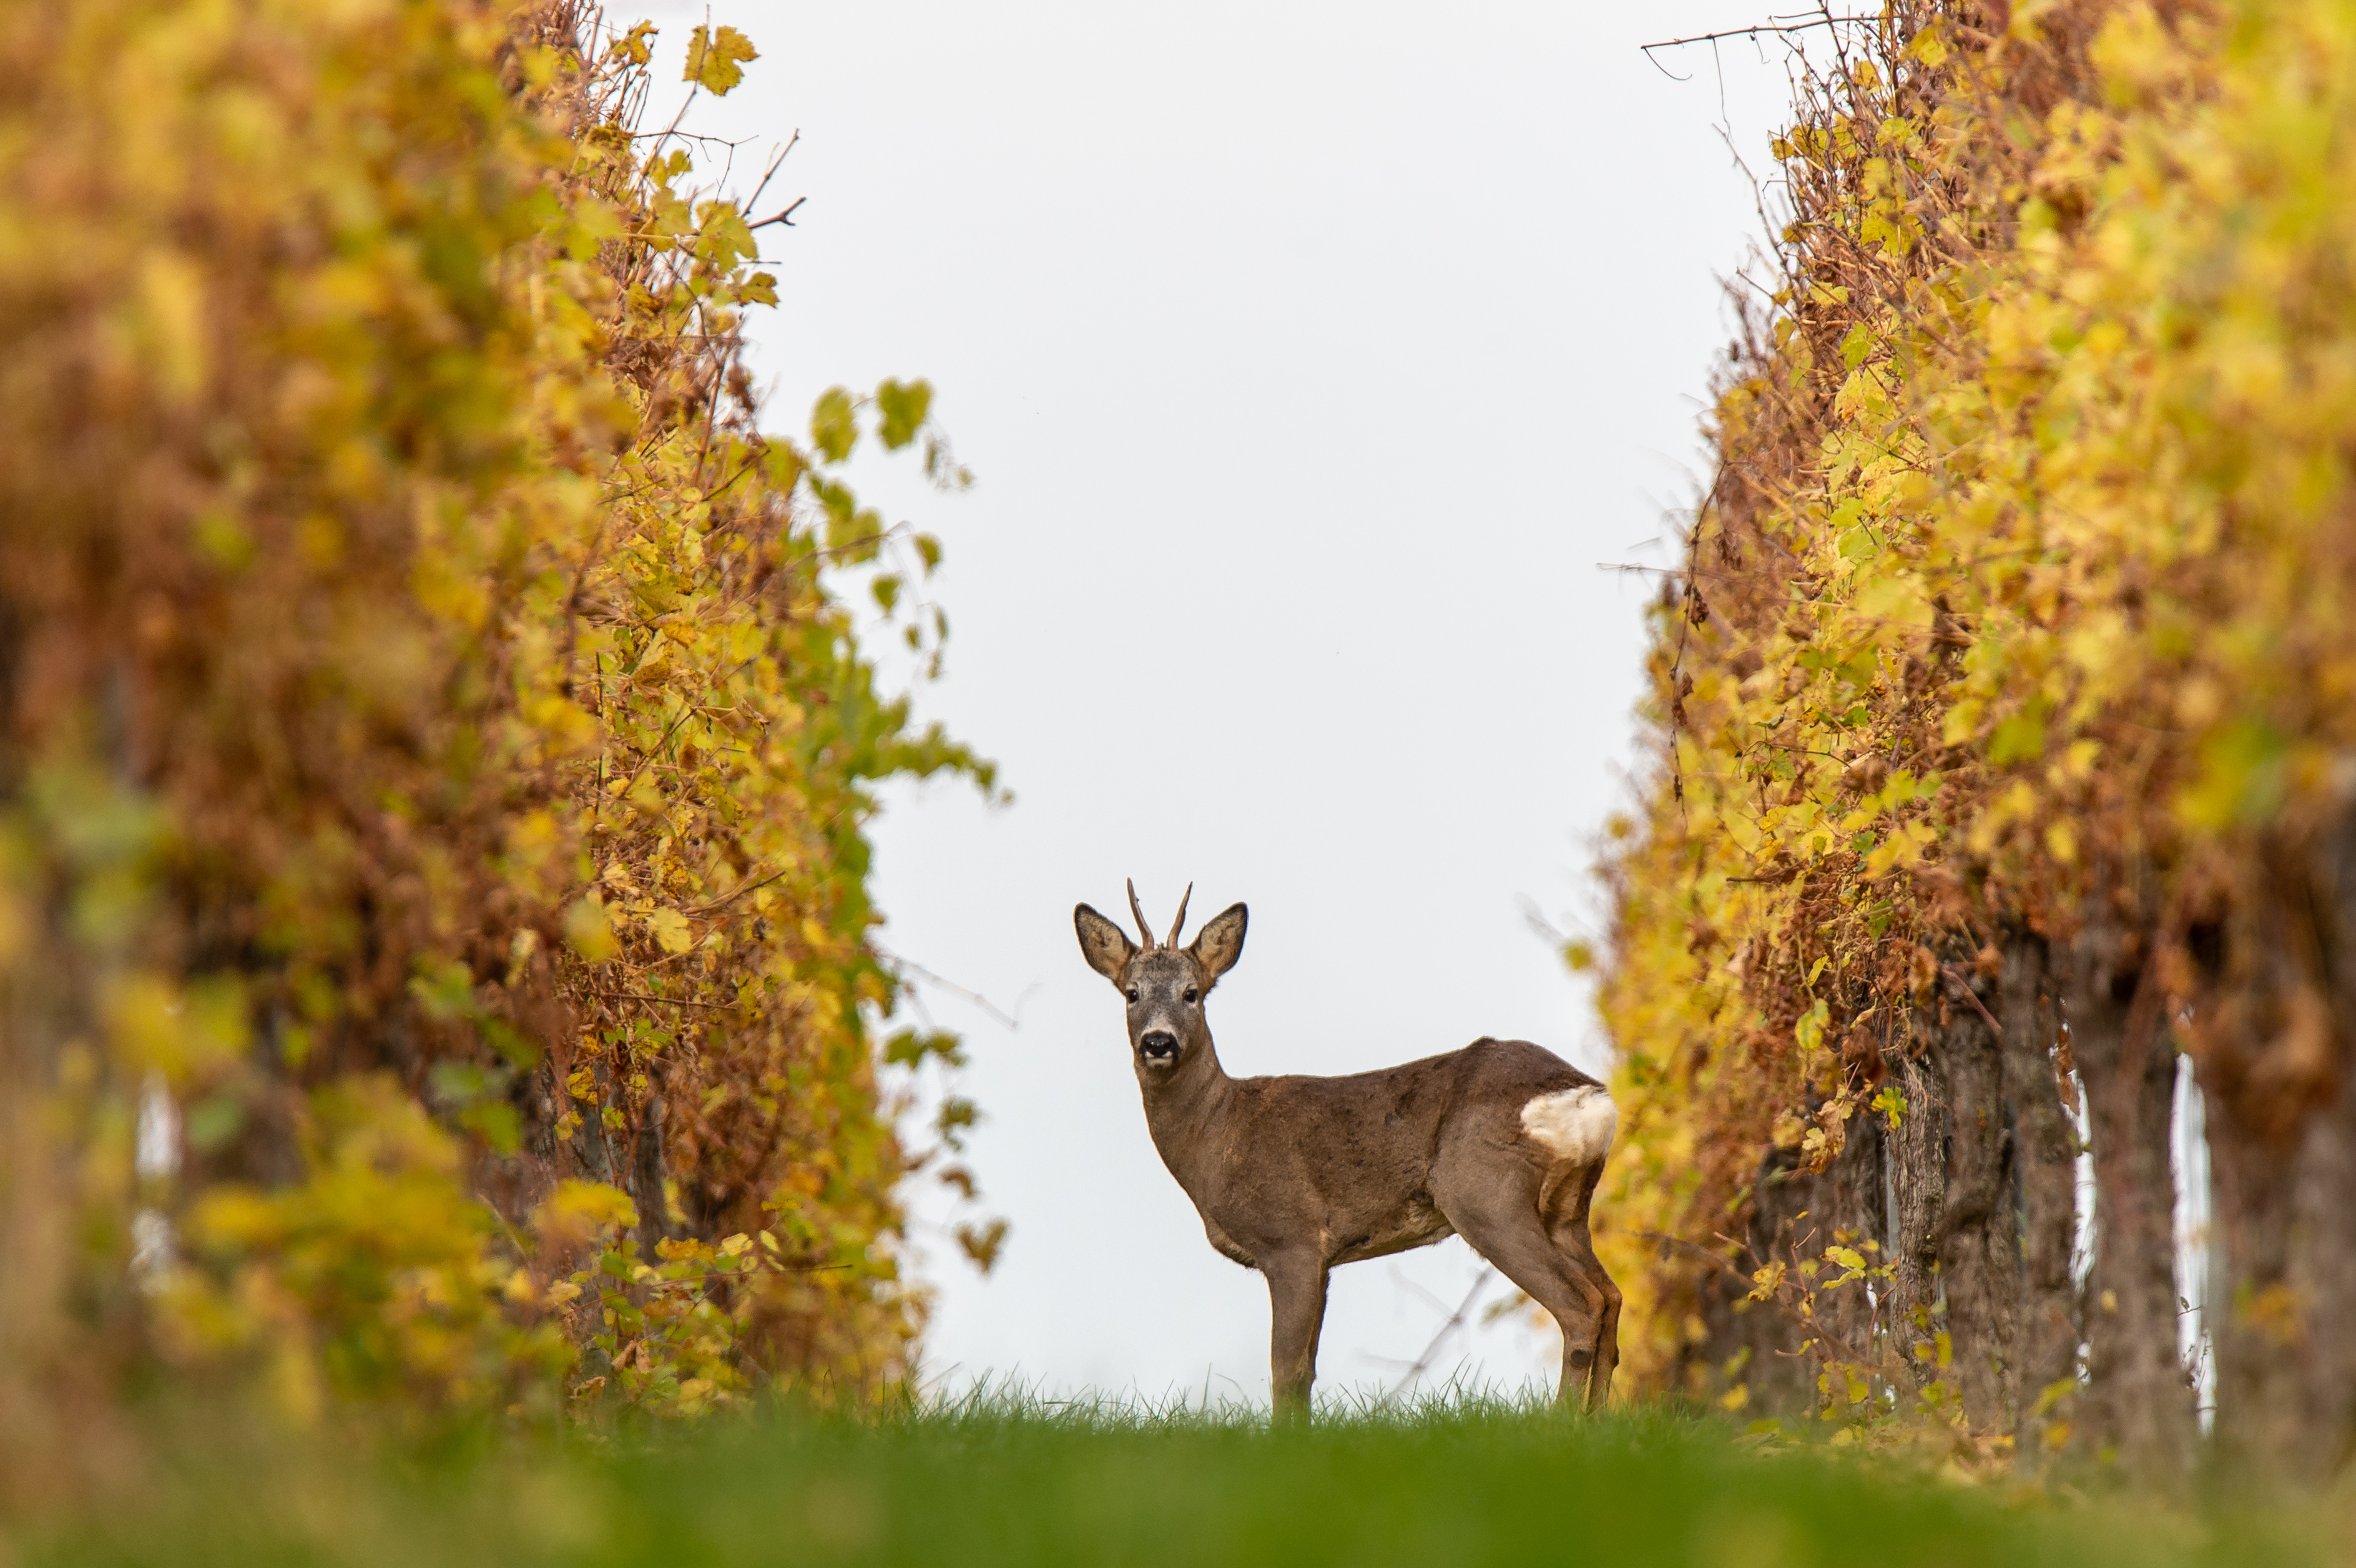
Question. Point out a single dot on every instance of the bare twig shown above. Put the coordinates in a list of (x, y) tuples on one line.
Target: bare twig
[(1422, 1363), (674, 1001), (724, 902), (786, 217), (1964, 986), (1535, 918), (1011, 1021), (1763, 30), (769, 173), (1698, 1251)]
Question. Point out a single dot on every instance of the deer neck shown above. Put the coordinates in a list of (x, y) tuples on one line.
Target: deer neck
[(1181, 1106)]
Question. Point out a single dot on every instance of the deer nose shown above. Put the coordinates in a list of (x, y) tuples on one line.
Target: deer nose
[(1160, 1045)]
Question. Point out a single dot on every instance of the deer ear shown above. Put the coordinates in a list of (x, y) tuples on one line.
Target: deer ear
[(1105, 946), (1219, 944)]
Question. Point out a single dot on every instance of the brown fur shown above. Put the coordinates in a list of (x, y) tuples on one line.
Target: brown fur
[(1293, 1175)]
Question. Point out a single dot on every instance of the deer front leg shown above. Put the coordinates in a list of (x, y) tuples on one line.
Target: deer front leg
[(1296, 1294)]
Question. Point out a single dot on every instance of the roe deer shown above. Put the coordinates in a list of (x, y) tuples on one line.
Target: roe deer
[(1500, 1143)]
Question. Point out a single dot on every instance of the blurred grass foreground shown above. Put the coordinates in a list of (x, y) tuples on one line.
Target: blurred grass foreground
[(1006, 1479)]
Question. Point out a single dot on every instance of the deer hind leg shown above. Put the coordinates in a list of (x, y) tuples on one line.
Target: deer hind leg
[(1565, 1204), (1579, 1251), (1296, 1294), (1508, 1228), (1607, 1342)]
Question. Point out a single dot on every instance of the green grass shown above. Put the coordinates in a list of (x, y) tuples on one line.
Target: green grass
[(1016, 1479)]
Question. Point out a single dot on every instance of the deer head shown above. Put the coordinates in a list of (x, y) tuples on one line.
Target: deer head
[(1164, 983)]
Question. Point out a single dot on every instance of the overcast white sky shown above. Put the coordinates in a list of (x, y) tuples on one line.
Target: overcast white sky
[(1310, 355)]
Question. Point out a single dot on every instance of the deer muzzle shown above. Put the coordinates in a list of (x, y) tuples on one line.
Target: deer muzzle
[(1158, 1047)]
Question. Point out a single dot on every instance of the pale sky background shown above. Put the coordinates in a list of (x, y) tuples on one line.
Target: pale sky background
[(1310, 357)]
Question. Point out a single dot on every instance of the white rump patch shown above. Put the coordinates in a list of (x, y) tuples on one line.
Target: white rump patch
[(1578, 1124)]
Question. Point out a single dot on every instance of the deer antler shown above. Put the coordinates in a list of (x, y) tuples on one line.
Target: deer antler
[(1137, 910), (1180, 923)]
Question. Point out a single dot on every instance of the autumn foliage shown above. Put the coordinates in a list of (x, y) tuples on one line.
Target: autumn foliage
[(2003, 768), (435, 966)]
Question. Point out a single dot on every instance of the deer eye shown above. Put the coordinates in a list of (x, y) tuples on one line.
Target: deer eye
[(1189, 993), (1133, 995)]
